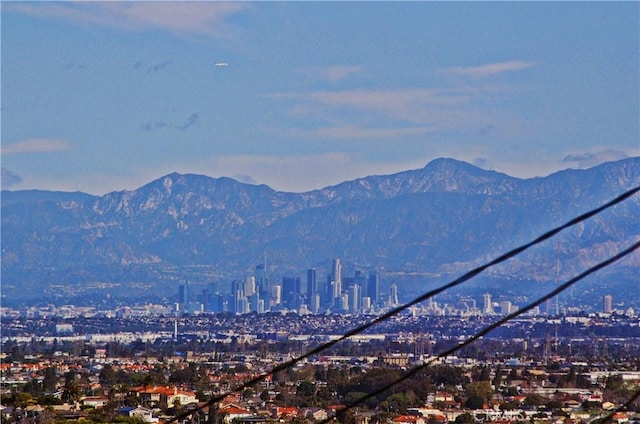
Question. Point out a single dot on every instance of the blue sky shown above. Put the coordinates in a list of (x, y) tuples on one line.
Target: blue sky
[(108, 96)]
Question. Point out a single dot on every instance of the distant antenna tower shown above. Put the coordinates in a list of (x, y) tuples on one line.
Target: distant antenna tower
[(558, 296), (557, 277), (175, 329), (265, 284), (175, 322), (266, 273), (547, 348)]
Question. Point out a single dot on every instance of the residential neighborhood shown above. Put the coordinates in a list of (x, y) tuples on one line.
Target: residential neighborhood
[(391, 377)]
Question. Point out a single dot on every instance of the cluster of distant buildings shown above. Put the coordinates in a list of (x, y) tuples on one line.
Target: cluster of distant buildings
[(335, 293)]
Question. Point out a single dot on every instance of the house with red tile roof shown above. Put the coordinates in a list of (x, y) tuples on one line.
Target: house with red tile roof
[(286, 412), (163, 397), (620, 417), (232, 411), (409, 419)]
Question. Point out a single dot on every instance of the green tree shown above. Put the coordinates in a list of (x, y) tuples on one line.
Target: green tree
[(336, 379), (474, 402), (50, 381), (382, 417), (49, 400), (497, 379), (553, 405), (346, 417), (533, 399), (247, 393), (371, 380), (16, 354), (508, 406), (181, 376), (22, 399), (123, 377), (306, 393), (571, 377), (398, 403), (71, 391), (107, 376), (484, 374), (325, 396), (33, 387), (447, 375), (480, 389), (464, 418), (306, 373)]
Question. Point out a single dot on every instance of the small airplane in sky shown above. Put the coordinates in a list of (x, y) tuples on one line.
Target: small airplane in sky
[(221, 64)]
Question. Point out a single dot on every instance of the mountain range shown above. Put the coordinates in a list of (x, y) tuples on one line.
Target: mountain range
[(419, 227)]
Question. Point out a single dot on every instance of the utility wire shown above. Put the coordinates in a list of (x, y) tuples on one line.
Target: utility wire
[(625, 406), (395, 311), (490, 328)]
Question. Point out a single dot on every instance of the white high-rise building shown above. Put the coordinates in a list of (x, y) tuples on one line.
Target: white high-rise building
[(344, 302), (336, 278), (276, 295), (354, 299), (315, 303), (505, 307), (393, 295), (243, 306), (366, 304), (249, 286), (336, 273), (607, 304), (487, 306), (336, 289), (430, 303)]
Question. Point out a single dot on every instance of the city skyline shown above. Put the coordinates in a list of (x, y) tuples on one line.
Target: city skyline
[(263, 293), (361, 295)]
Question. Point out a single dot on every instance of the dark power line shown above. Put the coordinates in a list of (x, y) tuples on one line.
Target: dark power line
[(395, 311), (492, 327), (625, 406)]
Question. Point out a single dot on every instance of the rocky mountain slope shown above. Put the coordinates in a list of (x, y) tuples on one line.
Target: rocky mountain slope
[(433, 222)]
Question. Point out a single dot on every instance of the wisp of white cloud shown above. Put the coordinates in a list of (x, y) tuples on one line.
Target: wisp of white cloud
[(35, 145), (333, 73), (391, 102), (246, 179), (338, 73), (207, 18), (9, 179), (590, 159), (432, 109), (481, 162), (489, 69), (353, 132)]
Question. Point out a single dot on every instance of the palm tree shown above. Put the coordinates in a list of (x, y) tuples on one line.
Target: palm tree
[(71, 391)]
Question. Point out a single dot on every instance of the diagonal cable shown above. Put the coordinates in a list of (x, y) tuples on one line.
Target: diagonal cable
[(491, 327), (624, 407), (395, 311)]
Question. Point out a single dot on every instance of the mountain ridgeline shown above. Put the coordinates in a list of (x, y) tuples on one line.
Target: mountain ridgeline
[(425, 225)]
